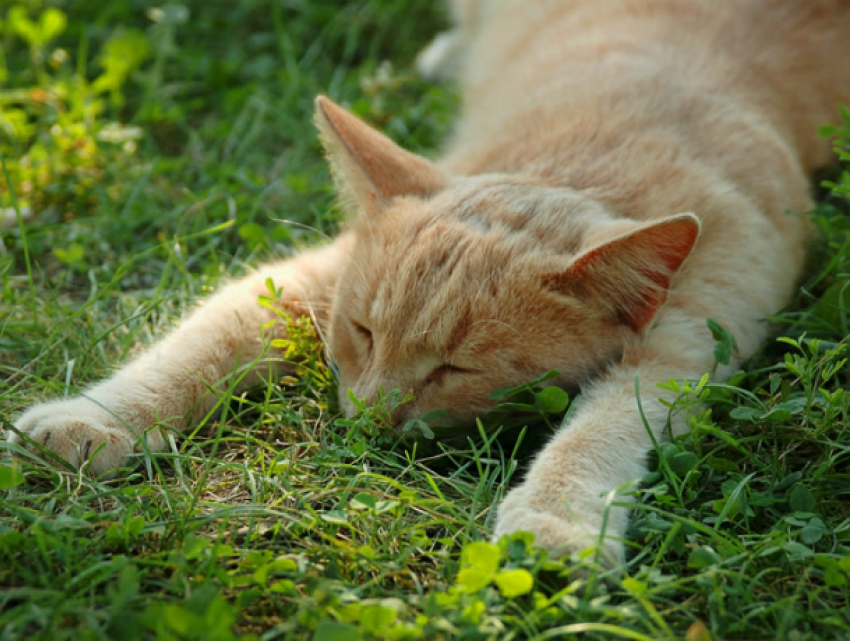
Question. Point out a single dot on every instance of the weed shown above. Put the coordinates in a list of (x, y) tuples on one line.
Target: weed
[(158, 150)]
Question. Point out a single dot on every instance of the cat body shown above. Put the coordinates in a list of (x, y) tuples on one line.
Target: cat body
[(621, 171)]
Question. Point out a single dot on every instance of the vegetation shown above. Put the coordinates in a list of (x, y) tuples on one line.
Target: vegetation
[(158, 149)]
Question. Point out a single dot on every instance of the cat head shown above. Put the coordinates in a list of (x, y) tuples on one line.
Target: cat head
[(461, 285)]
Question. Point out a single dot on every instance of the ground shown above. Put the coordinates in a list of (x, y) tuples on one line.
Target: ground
[(152, 152)]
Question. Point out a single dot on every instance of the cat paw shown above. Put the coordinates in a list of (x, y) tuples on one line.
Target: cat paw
[(77, 430), (562, 536)]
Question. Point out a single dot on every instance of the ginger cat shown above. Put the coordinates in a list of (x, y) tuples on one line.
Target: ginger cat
[(622, 170)]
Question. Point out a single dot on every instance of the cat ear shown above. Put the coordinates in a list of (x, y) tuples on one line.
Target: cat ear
[(631, 274), (368, 166)]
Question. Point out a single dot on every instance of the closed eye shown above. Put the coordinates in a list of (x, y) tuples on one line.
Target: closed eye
[(439, 373), (366, 335)]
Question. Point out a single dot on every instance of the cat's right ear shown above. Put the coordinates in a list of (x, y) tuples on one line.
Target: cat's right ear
[(630, 274), (368, 167)]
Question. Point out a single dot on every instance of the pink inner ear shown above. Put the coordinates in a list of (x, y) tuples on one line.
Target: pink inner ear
[(678, 244), (674, 247), (673, 254), (640, 316), (610, 268)]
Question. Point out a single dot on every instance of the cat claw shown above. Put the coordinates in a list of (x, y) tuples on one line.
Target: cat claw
[(79, 432)]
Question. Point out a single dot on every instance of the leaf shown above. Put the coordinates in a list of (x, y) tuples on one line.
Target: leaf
[(827, 131), (553, 400), (634, 587), (788, 481), (194, 546), (363, 501), (334, 516), (722, 353), (120, 55), (726, 343), (513, 583), (53, 22), (261, 575), (518, 545), (335, 631), (834, 578), (253, 233), (284, 586), (480, 555), (385, 505), (219, 614), (801, 499), (813, 532), (703, 557), (746, 413), (682, 463), (420, 426), (775, 380), (375, 617), (20, 23), (797, 551), (284, 564), (471, 580), (179, 619), (128, 581), (74, 254), (474, 610), (811, 535), (10, 477)]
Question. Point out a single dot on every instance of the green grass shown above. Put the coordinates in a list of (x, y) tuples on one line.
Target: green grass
[(162, 151)]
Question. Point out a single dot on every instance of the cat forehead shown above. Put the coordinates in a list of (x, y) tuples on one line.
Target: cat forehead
[(463, 250), (494, 195), (498, 212)]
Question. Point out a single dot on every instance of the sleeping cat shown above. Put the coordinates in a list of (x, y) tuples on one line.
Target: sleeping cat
[(622, 170)]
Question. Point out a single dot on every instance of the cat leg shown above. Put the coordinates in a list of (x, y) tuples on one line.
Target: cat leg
[(565, 499), (176, 381)]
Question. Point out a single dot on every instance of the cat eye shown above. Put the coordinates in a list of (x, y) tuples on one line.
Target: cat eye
[(439, 373), (365, 333)]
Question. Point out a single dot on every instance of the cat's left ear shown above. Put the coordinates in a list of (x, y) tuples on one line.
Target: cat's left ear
[(369, 167), (631, 274)]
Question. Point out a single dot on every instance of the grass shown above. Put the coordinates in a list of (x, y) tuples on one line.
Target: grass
[(160, 150)]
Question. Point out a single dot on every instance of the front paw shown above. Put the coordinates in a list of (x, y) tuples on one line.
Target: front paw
[(561, 533), (78, 430)]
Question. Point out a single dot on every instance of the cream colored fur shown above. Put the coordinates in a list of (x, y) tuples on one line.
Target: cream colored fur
[(622, 169)]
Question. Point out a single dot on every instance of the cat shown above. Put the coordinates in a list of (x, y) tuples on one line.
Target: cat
[(621, 171)]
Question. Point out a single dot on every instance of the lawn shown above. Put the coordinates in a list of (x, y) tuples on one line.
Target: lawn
[(150, 152)]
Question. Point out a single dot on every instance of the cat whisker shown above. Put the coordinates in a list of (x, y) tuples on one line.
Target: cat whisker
[(295, 223), (360, 271)]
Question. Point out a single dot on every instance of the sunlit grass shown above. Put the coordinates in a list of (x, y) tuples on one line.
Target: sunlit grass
[(275, 520)]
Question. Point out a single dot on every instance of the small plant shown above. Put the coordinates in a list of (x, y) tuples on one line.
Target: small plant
[(163, 148), (301, 348), (57, 135)]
